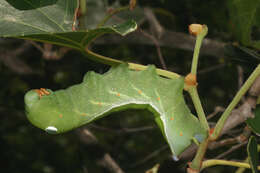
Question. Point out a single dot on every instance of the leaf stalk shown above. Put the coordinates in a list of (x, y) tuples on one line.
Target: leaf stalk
[(214, 162), (199, 39), (193, 89), (197, 161), (110, 61), (220, 124)]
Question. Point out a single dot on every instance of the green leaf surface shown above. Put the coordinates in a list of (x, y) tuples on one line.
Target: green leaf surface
[(253, 154), (80, 39), (253, 123), (244, 15), (50, 21), (28, 17), (118, 89)]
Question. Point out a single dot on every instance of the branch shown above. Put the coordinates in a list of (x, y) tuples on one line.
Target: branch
[(109, 163), (10, 59), (122, 130), (240, 114), (213, 162), (233, 148), (170, 39), (155, 25), (246, 86)]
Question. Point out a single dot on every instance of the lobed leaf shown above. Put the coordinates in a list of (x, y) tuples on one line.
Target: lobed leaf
[(51, 21), (253, 123), (253, 154), (29, 17), (119, 88), (244, 15)]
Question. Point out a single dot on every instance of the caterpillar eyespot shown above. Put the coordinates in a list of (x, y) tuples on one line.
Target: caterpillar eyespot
[(175, 158), (51, 130)]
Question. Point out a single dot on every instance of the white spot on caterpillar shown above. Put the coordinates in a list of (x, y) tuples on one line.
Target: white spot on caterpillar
[(175, 158), (51, 129)]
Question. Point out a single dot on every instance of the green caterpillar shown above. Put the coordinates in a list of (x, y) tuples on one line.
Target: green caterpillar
[(119, 88)]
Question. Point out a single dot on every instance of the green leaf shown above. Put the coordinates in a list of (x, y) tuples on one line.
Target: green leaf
[(118, 89), (244, 15), (80, 39), (50, 21), (253, 123), (253, 154), (29, 17)]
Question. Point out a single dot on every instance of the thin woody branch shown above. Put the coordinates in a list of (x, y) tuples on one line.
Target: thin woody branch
[(170, 39)]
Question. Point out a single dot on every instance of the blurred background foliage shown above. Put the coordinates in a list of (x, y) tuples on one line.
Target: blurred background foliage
[(130, 137)]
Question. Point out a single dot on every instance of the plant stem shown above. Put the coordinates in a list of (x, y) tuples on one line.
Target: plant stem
[(234, 102), (159, 71), (110, 61), (197, 161), (193, 89), (197, 104), (100, 58), (82, 12), (83, 8), (242, 169), (196, 52), (214, 162)]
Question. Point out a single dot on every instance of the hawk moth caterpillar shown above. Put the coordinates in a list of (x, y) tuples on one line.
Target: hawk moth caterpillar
[(119, 88)]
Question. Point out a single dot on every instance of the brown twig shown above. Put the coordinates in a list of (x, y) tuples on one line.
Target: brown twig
[(232, 149), (157, 30), (122, 130), (150, 156), (11, 60), (240, 114), (216, 111), (169, 39), (240, 79), (48, 52), (221, 143), (158, 49), (108, 162), (155, 26), (210, 69), (240, 76), (255, 89)]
